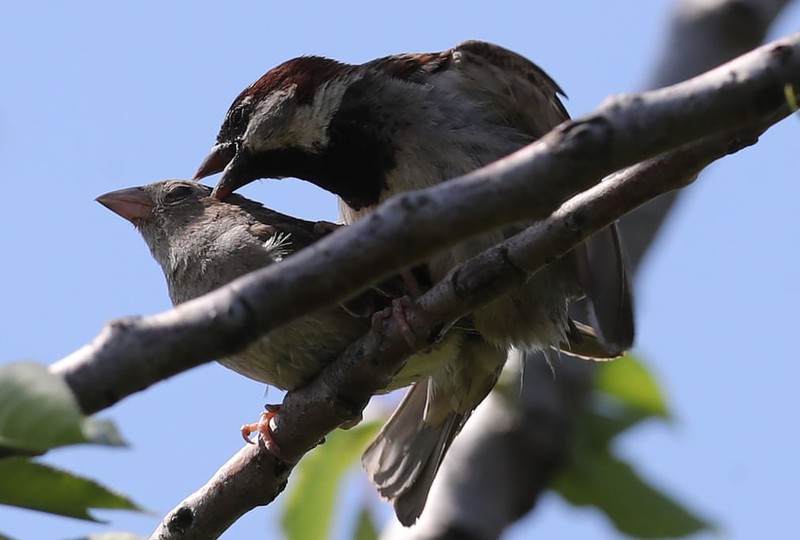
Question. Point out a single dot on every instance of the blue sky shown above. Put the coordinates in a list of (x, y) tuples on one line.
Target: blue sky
[(99, 96)]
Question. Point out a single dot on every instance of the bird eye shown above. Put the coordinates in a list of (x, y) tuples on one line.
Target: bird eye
[(236, 116), (177, 193), (236, 123)]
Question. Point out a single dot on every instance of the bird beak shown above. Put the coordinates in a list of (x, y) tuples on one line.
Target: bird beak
[(219, 158), (131, 203)]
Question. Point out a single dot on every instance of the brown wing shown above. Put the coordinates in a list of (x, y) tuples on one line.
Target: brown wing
[(524, 96), (521, 95), (519, 91), (266, 223)]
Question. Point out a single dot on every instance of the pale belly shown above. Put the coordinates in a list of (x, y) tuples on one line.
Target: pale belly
[(291, 356)]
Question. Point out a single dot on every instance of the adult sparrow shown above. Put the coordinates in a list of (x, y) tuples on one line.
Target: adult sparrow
[(367, 132)]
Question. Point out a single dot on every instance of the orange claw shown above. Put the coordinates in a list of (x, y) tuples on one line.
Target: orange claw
[(263, 429)]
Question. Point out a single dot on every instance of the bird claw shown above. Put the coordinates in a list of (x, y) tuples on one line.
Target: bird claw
[(262, 428), (399, 312)]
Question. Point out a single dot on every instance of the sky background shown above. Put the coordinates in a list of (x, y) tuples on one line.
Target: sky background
[(103, 95)]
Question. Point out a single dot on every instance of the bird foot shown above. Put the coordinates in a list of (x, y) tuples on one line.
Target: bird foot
[(262, 427), (399, 311)]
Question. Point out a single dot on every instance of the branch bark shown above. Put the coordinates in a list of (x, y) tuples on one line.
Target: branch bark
[(255, 477), (702, 34), (132, 354), (511, 462)]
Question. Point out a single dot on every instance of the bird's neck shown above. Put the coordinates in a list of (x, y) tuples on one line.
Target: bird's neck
[(389, 136)]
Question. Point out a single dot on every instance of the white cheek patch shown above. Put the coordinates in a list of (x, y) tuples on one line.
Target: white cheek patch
[(310, 125), (278, 122), (267, 127)]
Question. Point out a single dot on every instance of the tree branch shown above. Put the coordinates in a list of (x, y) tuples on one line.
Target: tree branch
[(131, 354), (702, 34), (339, 394), (511, 462)]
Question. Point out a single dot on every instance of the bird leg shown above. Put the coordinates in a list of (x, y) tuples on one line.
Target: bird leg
[(411, 282), (399, 312)]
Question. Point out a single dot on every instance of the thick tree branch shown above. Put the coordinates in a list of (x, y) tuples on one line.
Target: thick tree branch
[(132, 354), (702, 34), (511, 462), (343, 389), (217, 324), (368, 364), (251, 478)]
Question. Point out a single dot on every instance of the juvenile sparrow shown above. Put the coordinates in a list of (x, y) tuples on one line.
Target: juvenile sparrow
[(368, 132), (202, 243)]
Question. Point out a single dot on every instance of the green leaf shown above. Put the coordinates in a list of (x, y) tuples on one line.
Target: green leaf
[(365, 527), (628, 381), (599, 427), (635, 508), (38, 412), (4, 537), (311, 501), (37, 486), (625, 394)]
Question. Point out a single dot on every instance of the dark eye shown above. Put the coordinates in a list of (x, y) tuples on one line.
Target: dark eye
[(177, 193), (236, 117), (236, 122)]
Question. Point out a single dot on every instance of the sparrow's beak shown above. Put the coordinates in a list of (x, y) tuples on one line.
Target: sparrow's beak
[(218, 159), (131, 203)]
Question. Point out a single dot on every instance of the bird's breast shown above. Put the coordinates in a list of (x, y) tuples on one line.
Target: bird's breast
[(293, 354)]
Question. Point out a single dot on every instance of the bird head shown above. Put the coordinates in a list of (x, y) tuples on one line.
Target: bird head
[(162, 212), (277, 126)]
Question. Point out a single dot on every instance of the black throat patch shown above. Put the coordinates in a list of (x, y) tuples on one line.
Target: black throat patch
[(360, 145)]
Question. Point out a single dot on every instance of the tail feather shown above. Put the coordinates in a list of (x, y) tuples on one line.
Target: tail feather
[(605, 280), (583, 342), (403, 459)]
